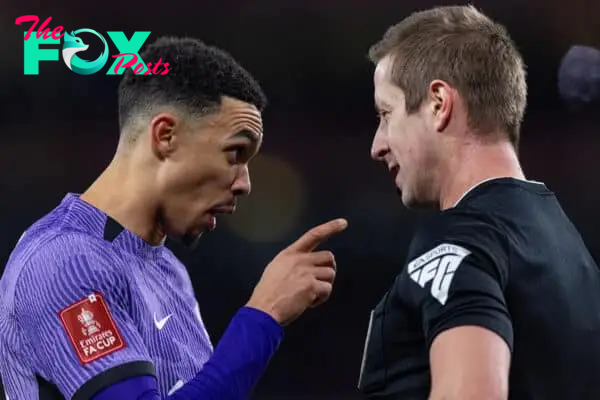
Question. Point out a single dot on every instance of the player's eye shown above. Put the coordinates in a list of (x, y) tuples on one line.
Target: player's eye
[(236, 154)]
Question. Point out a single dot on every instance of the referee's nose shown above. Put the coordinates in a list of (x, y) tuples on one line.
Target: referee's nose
[(379, 147), (242, 185)]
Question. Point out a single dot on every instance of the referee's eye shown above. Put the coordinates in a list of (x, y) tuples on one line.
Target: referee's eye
[(383, 115)]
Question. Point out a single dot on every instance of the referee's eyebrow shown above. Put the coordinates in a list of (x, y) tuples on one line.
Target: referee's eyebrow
[(379, 107)]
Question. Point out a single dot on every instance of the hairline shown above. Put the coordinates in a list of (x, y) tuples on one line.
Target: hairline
[(190, 116)]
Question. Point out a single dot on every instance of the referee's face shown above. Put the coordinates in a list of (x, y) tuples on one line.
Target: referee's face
[(204, 167), (404, 142)]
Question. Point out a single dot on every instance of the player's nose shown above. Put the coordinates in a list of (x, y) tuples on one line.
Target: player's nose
[(242, 185), (379, 147)]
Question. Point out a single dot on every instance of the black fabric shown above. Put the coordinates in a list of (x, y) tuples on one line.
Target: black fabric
[(508, 259), (113, 375), (47, 390), (112, 229)]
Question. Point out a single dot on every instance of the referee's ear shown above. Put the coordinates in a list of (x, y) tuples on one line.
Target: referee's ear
[(442, 104)]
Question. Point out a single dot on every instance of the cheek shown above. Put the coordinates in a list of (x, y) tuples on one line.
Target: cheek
[(398, 148), (188, 176), (398, 139), (406, 142), (211, 176)]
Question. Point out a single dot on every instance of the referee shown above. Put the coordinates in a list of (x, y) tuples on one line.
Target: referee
[(499, 297)]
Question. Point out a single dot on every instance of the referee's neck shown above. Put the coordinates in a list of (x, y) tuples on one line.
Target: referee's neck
[(474, 163)]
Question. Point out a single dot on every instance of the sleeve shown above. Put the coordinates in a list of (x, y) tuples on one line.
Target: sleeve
[(71, 303), (239, 360), (458, 271), (231, 373), (136, 388)]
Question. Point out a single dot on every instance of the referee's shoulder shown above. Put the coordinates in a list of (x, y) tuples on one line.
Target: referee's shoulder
[(459, 222)]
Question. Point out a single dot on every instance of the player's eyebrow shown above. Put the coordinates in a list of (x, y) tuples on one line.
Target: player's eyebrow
[(247, 134)]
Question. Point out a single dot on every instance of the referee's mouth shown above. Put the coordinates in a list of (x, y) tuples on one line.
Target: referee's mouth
[(394, 170)]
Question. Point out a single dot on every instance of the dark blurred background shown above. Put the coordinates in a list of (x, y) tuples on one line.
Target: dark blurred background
[(59, 130)]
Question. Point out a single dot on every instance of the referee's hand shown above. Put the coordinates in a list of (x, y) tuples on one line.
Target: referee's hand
[(298, 277)]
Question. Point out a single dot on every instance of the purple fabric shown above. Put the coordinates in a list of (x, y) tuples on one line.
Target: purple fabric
[(236, 366), (67, 256), (136, 388)]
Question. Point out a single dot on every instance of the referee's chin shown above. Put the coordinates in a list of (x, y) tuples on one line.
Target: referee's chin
[(407, 200), (412, 202)]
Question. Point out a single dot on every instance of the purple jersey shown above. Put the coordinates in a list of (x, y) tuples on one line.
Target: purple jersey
[(85, 303)]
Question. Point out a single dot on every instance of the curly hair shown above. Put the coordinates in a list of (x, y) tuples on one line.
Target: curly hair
[(199, 76)]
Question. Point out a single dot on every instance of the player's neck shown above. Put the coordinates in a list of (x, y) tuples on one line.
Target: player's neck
[(119, 192), (474, 163)]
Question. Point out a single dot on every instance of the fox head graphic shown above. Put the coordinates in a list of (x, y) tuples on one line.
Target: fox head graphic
[(73, 45)]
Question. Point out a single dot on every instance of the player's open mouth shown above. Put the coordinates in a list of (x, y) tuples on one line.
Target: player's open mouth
[(212, 220)]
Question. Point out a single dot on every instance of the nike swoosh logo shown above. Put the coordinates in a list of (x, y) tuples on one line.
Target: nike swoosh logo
[(161, 323), (178, 385)]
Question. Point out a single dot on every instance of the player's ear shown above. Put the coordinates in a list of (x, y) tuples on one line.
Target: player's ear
[(164, 134), (441, 102)]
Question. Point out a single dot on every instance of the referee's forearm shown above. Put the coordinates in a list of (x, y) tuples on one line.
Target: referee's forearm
[(239, 359)]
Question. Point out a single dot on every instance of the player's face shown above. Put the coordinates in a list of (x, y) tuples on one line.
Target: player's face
[(404, 142), (205, 168)]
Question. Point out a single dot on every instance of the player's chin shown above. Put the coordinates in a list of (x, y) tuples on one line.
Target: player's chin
[(206, 225), (191, 236), (207, 222)]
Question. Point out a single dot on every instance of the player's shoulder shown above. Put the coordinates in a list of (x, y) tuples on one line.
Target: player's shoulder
[(48, 250), (66, 231), (44, 255), (62, 245), (52, 241)]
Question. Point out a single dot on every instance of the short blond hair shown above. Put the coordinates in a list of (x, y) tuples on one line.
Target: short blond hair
[(463, 47)]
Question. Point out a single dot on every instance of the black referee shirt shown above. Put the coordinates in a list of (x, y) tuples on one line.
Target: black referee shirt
[(506, 258)]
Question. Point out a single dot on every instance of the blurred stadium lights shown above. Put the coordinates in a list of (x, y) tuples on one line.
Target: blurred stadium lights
[(579, 75), (279, 196)]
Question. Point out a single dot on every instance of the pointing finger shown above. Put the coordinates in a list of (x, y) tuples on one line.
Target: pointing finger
[(311, 239)]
